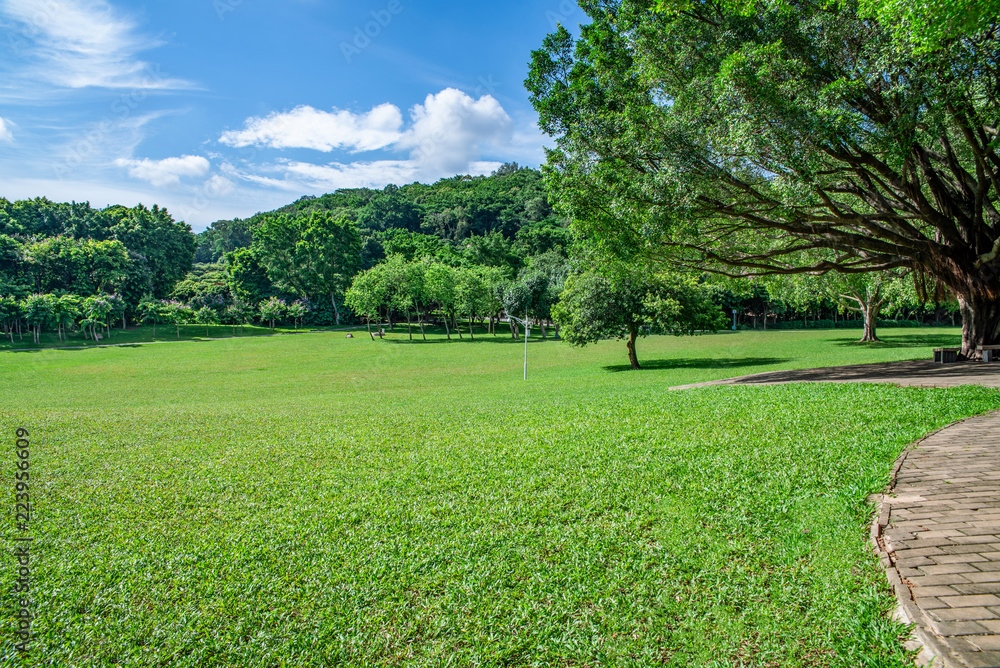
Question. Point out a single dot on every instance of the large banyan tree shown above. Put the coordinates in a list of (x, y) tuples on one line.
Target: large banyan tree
[(798, 137)]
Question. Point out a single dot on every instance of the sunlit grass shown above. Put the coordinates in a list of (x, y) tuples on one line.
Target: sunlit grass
[(315, 500)]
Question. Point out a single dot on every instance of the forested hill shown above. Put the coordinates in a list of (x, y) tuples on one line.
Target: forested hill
[(53, 247), (511, 203)]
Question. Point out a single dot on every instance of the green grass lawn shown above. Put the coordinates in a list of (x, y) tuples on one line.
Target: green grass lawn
[(143, 334), (321, 501)]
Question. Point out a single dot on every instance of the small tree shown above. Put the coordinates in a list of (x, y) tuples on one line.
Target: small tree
[(206, 316), (11, 311), (629, 302), (273, 309), (94, 314), (367, 295), (472, 294), (439, 289), (298, 310), (38, 314), (178, 313), (151, 310), (65, 311)]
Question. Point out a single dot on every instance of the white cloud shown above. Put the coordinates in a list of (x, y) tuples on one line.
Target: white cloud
[(306, 127), (450, 130), (81, 43), (447, 135), (166, 172), (447, 132), (218, 186), (5, 133)]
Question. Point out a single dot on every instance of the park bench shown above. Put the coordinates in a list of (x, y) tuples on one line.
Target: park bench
[(946, 355), (988, 353)]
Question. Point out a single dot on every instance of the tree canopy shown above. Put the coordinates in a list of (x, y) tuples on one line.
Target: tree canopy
[(800, 137)]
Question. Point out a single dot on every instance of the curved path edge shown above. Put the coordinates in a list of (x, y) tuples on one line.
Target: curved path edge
[(938, 585)]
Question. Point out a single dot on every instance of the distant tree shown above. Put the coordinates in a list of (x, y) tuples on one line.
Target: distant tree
[(440, 291), (368, 294), (95, 312), (206, 316), (65, 311), (38, 314), (272, 310), (472, 294), (629, 302), (11, 312), (151, 310), (178, 313), (316, 255), (297, 311)]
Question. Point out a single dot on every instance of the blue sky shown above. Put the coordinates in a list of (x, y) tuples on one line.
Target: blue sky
[(222, 108)]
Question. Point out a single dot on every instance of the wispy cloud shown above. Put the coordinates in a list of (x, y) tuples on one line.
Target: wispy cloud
[(5, 133), (82, 43), (166, 172)]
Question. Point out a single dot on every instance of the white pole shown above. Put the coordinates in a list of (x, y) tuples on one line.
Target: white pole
[(527, 331)]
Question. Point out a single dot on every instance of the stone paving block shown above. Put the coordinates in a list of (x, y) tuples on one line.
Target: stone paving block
[(962, 549), (989, 566), (959, 628), (946, 569), (967, 558), (982, 576), (989, 643), (970, 600), (982, 659), (978, 588), (954, 590), (937, 580), (961, 614)]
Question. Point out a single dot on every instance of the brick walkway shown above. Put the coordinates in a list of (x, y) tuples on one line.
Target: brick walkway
[(938, 533)]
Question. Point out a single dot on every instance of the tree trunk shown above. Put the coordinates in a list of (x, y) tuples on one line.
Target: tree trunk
[(980, 324), (447, 330), (472, 334), (541, 323), (871, 314), (633, 359), (409, 327), (336, 311), (369, 321)]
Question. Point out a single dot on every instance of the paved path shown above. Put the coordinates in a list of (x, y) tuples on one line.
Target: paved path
[(939, 536), (920, 373)]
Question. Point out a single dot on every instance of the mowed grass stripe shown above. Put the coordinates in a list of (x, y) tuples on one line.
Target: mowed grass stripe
[(312, 501)]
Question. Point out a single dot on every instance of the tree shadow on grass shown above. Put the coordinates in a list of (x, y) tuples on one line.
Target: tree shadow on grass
[(701, 363), (908, 341), (70, 349)]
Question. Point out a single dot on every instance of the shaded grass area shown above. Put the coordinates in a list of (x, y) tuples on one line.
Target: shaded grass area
[(143, 334), (313, 501)]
